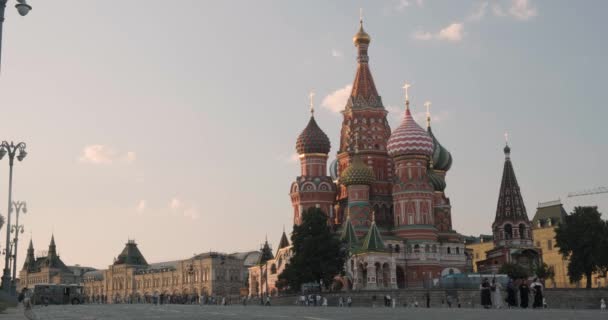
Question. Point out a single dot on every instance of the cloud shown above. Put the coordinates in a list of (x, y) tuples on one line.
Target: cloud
[(130, 157), (97, 154), (104, 155), (396, 114), (422, 35), (175, 203), (479, 12), (141, 206), (521, 10), (336, 100), (336, 53), (452, 33), (403, 4)]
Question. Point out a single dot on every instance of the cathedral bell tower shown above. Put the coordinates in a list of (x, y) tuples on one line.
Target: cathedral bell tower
[(313, 188), (364, 116)]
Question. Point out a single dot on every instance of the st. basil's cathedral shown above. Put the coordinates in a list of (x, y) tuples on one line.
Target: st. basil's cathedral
[(384, 193)]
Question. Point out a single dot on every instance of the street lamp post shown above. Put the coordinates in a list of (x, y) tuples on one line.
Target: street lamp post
[(10, 149), (22, 7), (17, 228)]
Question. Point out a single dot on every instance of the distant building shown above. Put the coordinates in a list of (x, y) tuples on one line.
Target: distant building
[(47, 269), (264, 275), (548, 216), (511, 230), (132, 279), (479, 246)]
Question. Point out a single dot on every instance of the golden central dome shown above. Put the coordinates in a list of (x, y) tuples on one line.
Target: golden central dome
[(361, 36)]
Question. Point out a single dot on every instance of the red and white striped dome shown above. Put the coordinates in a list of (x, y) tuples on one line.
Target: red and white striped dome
[(409, 139)]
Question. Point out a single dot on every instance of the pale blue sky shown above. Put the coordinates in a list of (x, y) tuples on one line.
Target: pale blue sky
[(197, 106)]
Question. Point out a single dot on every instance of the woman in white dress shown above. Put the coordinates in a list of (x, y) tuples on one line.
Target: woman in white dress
[(496, 289)]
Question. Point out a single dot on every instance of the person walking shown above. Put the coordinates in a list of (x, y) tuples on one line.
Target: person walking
[(496, 289), (340, 302), (602, 304), (511, 294), (486, 296), (428, 299), (537, 288), (349, 301), (524, 293)]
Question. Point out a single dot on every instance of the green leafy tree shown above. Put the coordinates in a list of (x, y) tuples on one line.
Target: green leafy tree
[(514, 271), (543, 271), (318, 254), (582, 238)]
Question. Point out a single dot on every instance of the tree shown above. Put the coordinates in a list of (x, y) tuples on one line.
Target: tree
[(583, 239), (543, 271), (318, 254), (514, 271)]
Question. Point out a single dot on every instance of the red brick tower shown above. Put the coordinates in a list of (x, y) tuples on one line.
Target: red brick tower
[(365, 116), (313, 188)]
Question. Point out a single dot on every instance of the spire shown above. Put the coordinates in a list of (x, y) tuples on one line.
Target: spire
[(348, 233), (507, 149), (373, 240), (406, 87), (284, 243), (131, 255), (52, 247), (510, 201), (30, 259), (266, 252), (364, 93)]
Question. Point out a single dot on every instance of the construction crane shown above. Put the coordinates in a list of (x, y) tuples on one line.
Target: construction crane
[(597, 190)]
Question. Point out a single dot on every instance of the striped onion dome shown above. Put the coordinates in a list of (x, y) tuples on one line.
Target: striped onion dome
[(312, 139), (357, 173), (409, 139)]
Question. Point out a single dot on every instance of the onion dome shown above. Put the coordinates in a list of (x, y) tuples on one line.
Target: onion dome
[(409, 138), (361, 36), (437, 181), (312, 139), (442, 158), (357, 173)]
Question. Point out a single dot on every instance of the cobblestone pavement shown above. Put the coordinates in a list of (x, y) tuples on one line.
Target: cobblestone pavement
[(136, 312)]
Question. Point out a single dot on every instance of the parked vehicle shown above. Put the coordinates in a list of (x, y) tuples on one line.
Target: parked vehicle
[(45, 294)]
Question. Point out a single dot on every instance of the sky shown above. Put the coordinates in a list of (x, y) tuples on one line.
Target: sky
[(174, 123)]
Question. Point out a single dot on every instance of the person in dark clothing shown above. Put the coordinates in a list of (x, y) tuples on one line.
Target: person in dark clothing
[(511, 292), (428, 299), (486, 295), (537, 288), (524, 293)]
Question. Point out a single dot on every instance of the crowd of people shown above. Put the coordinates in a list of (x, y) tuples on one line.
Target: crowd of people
[(491, 294)]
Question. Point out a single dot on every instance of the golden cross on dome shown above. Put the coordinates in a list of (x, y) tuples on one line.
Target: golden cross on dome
[(311, 95), (428, 113), (361, 15), (406, 86), (506, 137)]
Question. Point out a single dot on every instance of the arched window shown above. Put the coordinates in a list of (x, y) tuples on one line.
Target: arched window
[(397, 249), (522, 231), (273, 269), (390, 248), (457, 250), (449, 250), (434, 248), (508, 232), (416, 248), (426, 249)]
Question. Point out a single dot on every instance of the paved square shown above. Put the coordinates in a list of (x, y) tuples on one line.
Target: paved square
[(136, 312)]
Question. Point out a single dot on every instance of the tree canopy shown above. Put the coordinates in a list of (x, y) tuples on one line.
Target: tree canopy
[(514, 271), (583, 238), (318, 254)]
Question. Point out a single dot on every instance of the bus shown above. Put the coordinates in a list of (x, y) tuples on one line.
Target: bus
[(46, 294)]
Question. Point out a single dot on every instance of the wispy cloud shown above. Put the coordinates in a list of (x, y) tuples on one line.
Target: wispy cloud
[(141, 206), (452, 33), (519, 9), (522, 10), (336, 100), (188, 210), (336, 53), (479, 12), (289, 159), (104, 155)]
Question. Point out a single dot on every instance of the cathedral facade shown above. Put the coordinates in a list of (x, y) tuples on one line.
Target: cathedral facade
[(384, 193)]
